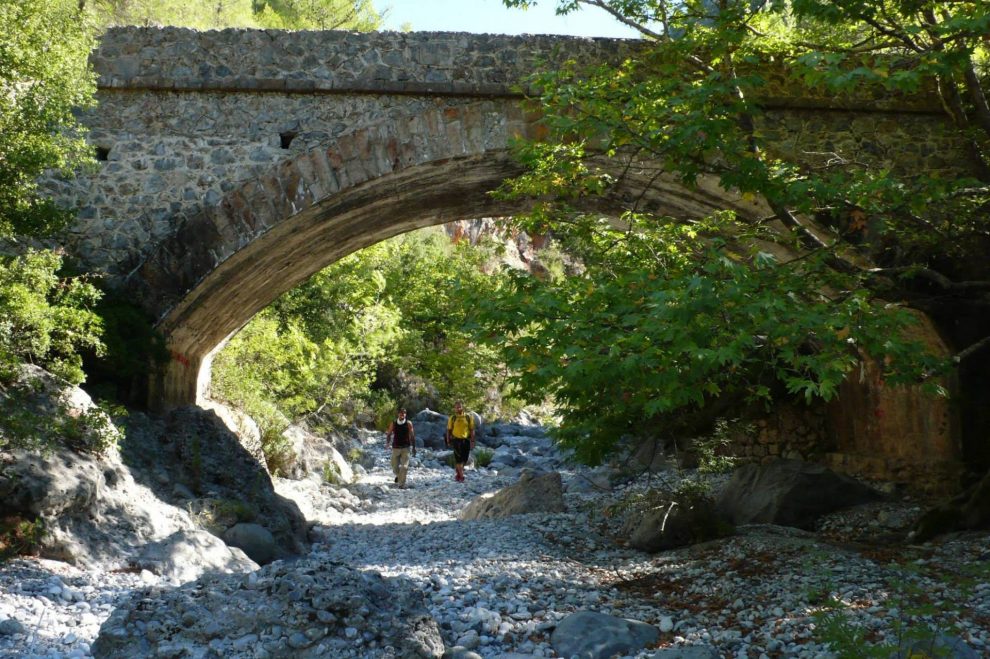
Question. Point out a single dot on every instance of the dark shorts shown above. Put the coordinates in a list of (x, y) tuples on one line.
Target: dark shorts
[(462, 449)]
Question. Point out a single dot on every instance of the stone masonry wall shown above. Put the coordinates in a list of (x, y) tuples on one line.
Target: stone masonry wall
[(793, 431), (335, 61), (184, 117), (169, 155)]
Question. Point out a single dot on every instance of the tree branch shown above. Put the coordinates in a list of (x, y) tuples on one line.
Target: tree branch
[(619, 16), (966, 353), (977, 97), (936, 278)]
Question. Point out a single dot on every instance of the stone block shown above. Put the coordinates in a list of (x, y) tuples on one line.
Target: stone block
[(324, 171)]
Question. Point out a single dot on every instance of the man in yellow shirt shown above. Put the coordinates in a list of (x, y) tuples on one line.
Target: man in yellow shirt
[(460, 437)]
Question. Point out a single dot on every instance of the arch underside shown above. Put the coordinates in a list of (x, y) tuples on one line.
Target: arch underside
[(295, 248)]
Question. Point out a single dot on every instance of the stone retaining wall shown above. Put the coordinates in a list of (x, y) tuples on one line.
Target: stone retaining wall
[(792, 431)]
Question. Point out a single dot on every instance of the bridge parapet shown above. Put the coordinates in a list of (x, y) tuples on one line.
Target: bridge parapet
[(434, 63), (418, 63)]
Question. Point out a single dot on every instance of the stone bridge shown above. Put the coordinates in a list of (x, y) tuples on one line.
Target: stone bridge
[(235, 164)]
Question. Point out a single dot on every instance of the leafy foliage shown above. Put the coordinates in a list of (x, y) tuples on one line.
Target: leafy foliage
[(37, 416), (482, 457), (667, 318), (277, 14), (331, 473), (317, 14), (676, 321), (19, 537), (712, 450), (44, 77), (920, 627), (45, 319)]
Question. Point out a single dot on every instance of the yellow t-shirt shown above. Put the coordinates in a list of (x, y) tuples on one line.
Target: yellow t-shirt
[(460, 425)]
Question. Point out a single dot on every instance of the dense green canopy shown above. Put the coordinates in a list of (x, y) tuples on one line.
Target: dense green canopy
[(672, 322)]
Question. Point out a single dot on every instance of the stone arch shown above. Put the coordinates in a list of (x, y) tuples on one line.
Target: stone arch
[(224, 265)]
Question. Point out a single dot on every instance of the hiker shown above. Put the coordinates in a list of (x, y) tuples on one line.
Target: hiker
[(460, 437), (400, 437)]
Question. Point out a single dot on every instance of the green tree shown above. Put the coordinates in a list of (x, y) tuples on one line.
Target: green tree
[(677, 320), (318, 14), (198, 15), (278, 14), (434, 283), (44, 318), (44, 77), (317, 350)]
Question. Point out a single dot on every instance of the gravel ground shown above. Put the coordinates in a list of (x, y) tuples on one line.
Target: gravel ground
[(500, 586)]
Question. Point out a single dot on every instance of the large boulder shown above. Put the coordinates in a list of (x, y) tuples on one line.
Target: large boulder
[(306, 608), (531, 494), (314, 454), (507, 456), (50, 484), (789, 493), (254, 540), (193, 448), (592, 635), (430, 428), (675, 523), (40, 411), (188, 555), (242, 425), (650, 455), (210, 458), (95, 513), (968, 511), (595, 481)]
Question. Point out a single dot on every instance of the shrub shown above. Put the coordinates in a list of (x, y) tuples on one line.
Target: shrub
[(34, 417), (712, 457), (217, 515), (483, 457), (19, 536), (382, 408), (45, 319), (920, 627), (92, 430), (331, 473)]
